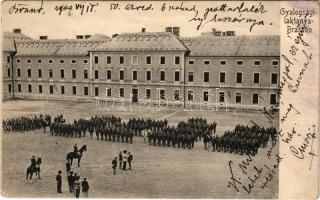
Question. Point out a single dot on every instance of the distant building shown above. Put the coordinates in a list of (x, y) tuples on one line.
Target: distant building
[(216, 68)]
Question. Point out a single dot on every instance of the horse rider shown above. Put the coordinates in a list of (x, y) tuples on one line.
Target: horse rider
[(75, 149), (33, 162)]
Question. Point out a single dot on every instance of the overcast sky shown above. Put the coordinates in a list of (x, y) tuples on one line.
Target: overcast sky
[(108, 22)]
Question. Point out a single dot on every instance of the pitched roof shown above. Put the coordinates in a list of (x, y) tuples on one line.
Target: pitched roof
[(151, 41), (57, 47), (9, 38), (233, 45)]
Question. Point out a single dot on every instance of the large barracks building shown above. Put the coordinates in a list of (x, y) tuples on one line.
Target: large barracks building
[(215, 68)]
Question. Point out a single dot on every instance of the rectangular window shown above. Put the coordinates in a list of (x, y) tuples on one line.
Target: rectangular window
[(238, 97), (257, 62), (177, 60), (73, 61), (18, 72), (109, 74), (239, 77), (18, 60), (62, 89), (162, 60), (121, 92), (190, 76), (223, 62), (50, 73), (50, 61), (121, 75), (8, 59), (255, 98), (109, 60), (206, 96), (134, 75), (121, 60), (74, 74), (221, 97), (148, 76), (176, 76), (148, 60), (273, 99), (190, 95), (206, 77), (176, 94), (39, 61), (85, 91), (162, 75), (191, 62), (162, 94), (239, 62), (96, 74), (39, 73), (29, 73), (222, 77), (9, 72), (51, 89), (62, 73), (134, 60), (85, 61), (206, 62), (29, 88), (9, 88), (96, 91), (61, 61), (148, 93), (108, 92), (256, 78), (275, 62), (274, 78), (96, 59), (19, 87), (28, 61), (74, 90), (85, 74)]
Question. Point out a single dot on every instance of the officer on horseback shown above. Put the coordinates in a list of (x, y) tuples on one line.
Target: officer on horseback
[(33, 163), (75, 149)]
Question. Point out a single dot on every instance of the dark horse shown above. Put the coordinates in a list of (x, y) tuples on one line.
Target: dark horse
[(74, 155), (33, 169)]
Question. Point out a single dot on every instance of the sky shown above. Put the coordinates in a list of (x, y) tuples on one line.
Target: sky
[(105, 21)]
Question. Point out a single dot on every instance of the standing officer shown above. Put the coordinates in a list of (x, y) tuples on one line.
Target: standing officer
[(130, 158), (59, 181), (114, 165), (85, 187)]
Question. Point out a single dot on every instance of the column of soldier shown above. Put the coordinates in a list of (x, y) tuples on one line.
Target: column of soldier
[(26, 123), (243, 139), (184, 135)]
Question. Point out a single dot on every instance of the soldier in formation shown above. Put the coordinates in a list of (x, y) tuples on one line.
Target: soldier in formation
[(244, 139)]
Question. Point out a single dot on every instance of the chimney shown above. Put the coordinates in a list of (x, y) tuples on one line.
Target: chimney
[(114, 35), (43, 37), (17, 30), (79, 37), (168, 29), (173, 30), (143, 30), (87, 36), (176, 31)]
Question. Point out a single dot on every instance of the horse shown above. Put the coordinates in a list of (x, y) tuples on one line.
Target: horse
[(33, 169), (78, 155)]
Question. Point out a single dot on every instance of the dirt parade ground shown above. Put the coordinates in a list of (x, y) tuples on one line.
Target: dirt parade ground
[(157, 172)]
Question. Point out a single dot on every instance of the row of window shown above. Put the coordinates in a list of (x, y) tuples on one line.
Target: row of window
[(148, 61), (50, 61), (135, 93), (135, 60), (238, 62), (206, 75)]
